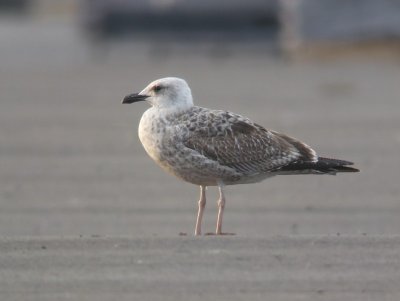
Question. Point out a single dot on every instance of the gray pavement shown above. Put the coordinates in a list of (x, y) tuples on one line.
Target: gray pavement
[(75, 179), (206, 268)]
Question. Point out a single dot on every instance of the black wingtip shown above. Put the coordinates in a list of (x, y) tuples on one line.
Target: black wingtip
[(346, 169), (335, 164), (323, 165)]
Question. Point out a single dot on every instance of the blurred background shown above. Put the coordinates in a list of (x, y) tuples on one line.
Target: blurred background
[(324, 71)]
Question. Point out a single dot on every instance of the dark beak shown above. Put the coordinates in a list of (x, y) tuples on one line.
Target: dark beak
[(135, 97)]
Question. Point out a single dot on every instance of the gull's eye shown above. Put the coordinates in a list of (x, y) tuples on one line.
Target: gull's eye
[(157, 88)]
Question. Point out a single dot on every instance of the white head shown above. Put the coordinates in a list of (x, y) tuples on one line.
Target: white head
[(166, 93)]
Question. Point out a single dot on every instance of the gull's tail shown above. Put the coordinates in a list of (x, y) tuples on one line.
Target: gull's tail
[(323, 165)]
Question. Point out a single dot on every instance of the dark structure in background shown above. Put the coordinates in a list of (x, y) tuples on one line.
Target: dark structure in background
[(15, 6), (191, 19), (311, 22), (291, 24)]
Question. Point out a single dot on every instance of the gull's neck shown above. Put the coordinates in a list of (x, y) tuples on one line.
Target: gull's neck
[(172, 110)]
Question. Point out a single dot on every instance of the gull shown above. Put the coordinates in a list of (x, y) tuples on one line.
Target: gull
[(209, 147)]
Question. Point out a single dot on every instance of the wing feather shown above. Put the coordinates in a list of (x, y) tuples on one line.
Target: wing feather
[(237, 142)]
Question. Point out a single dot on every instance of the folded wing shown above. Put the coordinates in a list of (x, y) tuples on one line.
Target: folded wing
[(238, 143)]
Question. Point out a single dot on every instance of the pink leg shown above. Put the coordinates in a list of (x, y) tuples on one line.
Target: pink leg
[(221, 206), (202, 205)]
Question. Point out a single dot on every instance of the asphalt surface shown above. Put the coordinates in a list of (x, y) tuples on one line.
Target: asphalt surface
[(206, 268), (86, 215)]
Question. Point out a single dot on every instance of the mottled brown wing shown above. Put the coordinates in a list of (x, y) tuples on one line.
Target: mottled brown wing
[(244, 146)]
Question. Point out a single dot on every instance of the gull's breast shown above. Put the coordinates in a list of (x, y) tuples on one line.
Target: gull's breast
[(151, 132), (163, 139)]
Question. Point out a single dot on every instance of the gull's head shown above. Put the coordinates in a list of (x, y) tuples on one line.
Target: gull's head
[(165, 93)]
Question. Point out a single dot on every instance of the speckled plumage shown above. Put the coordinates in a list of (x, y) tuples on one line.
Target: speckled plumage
[(216, 148), (207, 147)]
